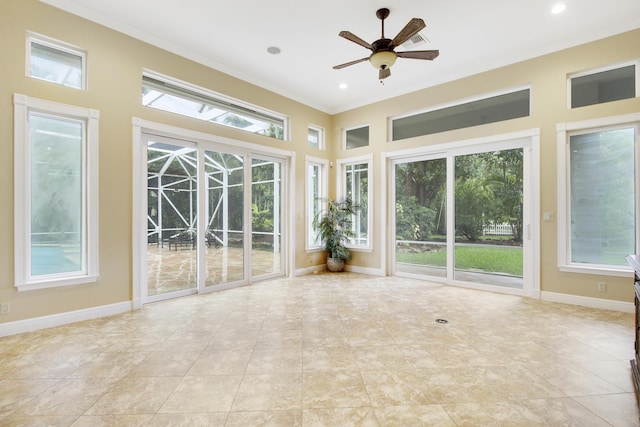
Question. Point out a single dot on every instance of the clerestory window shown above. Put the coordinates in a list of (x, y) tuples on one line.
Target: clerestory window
[(188, 100), (56, 62), (512, 104), (315, 137), (603, 85)]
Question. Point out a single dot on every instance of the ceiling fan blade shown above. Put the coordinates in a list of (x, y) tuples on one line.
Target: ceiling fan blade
[(419, 54), (352, 37), (409, 30), (384, 73), (346, 64)]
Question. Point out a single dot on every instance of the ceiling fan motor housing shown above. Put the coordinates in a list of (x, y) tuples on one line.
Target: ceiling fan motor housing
[(383, 56)]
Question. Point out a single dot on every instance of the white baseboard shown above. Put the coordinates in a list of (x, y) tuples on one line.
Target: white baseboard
[(348, 267), (37, 323), (310, 270), (605, 304), (365, 270)]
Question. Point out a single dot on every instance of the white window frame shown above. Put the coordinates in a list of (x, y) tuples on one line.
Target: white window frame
[(459, 102), (344, 136), (311, 243), (321, 143), (62, 47), (23, 106), (167, 85), (341, 182), (601, 70), (563, 131)]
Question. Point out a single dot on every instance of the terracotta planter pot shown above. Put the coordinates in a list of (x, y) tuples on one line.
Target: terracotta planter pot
[(335, 264)]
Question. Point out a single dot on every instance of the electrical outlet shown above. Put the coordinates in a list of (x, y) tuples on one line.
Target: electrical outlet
[(5, 308), (602, 286)]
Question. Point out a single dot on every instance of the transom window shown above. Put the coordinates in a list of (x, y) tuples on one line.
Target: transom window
[(356, 137), (56, 62), (188, 100), (315, 137), (475, 112), (604, 85)]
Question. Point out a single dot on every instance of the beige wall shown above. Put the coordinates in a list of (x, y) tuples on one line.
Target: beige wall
[(115, 64), (114, 77), (547, 77)]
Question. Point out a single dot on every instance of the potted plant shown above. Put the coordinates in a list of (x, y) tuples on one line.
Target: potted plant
[(333, 226)]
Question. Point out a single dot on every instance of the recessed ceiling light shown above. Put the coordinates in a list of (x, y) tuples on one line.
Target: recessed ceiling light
[(274, 50), (558, 8), (343, 86)]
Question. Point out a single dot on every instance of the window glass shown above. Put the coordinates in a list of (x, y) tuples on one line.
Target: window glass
[(56, 64), (602, 189), (605, 86), (313, 137), (56, 195), (482, 111), (357, 188), (315, 195), (201, 105), (358, 137)]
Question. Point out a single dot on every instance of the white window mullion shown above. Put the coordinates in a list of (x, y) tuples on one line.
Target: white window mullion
[(451, 221)]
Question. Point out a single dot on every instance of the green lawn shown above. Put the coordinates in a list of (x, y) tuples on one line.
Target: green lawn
[(489, 259)]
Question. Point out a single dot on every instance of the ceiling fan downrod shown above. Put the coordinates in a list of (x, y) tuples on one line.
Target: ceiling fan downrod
[(382, 14)]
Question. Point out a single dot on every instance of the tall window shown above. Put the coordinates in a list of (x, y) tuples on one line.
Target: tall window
[(598, 206), (316, 192), (55, 194), (56, 62), (356, 184)]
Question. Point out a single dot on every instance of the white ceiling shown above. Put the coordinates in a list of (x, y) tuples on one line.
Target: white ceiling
[(472, 36)]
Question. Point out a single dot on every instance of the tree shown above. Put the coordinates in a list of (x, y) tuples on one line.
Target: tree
[(420, 190), (505, 177), (472, 197)]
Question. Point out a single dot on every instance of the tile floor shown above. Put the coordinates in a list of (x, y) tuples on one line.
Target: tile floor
[(327, 350), (174, 270)]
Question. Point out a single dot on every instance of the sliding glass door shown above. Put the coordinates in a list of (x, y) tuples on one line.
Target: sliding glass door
[(489, 218), (172, 223), (421, 217), (224, 207), (460, 215), (266, 217), (206, 229)]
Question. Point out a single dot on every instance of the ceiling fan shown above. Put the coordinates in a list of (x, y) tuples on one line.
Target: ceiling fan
[(384, 56)]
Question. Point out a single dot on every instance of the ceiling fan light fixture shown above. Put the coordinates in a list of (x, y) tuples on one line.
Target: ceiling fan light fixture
[(383, 60), (383, 56)]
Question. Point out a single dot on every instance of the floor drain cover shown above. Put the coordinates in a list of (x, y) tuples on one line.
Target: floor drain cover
[(442, 321)]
